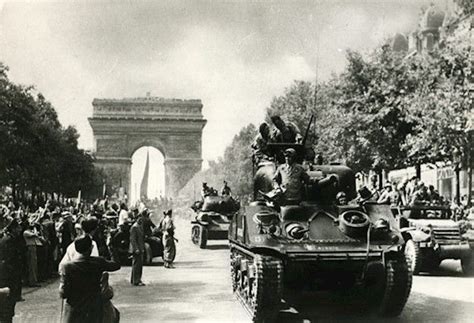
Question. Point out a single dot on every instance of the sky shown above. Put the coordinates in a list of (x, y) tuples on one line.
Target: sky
[(234, 56)]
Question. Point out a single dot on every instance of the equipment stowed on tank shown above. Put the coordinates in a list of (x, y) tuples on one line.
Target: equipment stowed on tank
[(212, 219), (315, 243)]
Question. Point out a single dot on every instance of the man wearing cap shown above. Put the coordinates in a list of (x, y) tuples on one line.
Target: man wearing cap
[(137, 249), (80, 284), (290, 177), (10, 261)]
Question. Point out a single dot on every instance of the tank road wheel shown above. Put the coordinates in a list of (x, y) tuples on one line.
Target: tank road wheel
[(413, 255), (467, 265), (195, 234), (259, 288), (199, 235), (398, 280)]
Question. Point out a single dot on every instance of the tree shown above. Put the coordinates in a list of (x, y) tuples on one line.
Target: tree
[(38, 155)]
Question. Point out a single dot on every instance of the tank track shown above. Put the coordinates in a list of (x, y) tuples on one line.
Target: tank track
[(398, 282), (259, 286)]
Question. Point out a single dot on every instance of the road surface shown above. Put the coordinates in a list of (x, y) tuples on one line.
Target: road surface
[(198, 290)]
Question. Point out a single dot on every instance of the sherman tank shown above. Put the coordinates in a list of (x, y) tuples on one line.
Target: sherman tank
[(315, 244), (212, 219)]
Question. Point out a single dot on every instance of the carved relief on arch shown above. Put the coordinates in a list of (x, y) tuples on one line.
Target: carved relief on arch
[(110, 146)]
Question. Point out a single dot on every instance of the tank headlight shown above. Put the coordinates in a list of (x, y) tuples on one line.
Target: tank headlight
[(381, 225), (426, 230), (274, 230), (395, 238), (464, 226), (204, 217), (296, 230)]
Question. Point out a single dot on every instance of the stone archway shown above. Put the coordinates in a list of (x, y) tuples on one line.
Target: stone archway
[(173, 126)]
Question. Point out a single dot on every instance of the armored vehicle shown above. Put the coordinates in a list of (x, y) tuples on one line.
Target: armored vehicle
[(212, 219), (432, 235), (315, 244)]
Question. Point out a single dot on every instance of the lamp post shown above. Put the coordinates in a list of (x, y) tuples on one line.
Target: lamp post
[(457, 167)]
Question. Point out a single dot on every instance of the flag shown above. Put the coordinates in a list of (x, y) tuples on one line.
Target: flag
[(144, 183)]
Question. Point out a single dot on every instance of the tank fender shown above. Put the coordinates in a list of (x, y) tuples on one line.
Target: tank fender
[(415, 235)]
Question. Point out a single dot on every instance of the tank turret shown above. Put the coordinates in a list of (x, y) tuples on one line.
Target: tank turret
[(212, 218)]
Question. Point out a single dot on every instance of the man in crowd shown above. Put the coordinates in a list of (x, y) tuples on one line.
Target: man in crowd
[(123, 214), (169, 247), (51, 240), (120, 242), (411, 187), (86, 228), (80, 284), (66, 231), (10, 285), (433, 195), (137, 249), (32, 239), (420, 195)]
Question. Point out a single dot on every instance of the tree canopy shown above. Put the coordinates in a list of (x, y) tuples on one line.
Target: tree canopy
[(386, 110), (37, 154)]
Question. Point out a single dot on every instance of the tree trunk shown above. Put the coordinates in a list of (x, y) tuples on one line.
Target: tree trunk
[(469, 168), (418, 171)]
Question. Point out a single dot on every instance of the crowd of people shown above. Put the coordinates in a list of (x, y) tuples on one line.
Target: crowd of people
[(36, 246)]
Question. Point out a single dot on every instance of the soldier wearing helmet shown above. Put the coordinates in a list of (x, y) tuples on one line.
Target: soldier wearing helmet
[(341, 198)]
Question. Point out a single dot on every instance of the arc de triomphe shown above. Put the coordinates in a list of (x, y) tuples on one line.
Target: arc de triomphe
[(173, 126)]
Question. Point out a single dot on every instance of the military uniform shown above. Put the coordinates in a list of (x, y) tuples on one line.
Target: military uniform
[(291, 178)]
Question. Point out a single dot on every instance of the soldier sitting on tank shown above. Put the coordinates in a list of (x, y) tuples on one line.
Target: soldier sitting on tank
[(260, 144), (285, 133), (290, 178)]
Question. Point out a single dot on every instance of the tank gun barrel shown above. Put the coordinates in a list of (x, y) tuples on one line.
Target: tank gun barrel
[(307, 130), (327, 181)]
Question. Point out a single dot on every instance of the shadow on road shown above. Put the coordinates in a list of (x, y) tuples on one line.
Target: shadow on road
[(344, 307), (217, 247)]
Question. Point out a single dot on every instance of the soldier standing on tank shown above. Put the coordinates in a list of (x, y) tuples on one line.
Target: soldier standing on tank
[(260, 144), (205, 190), (226, 191), (285, 133), (290, 178)]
